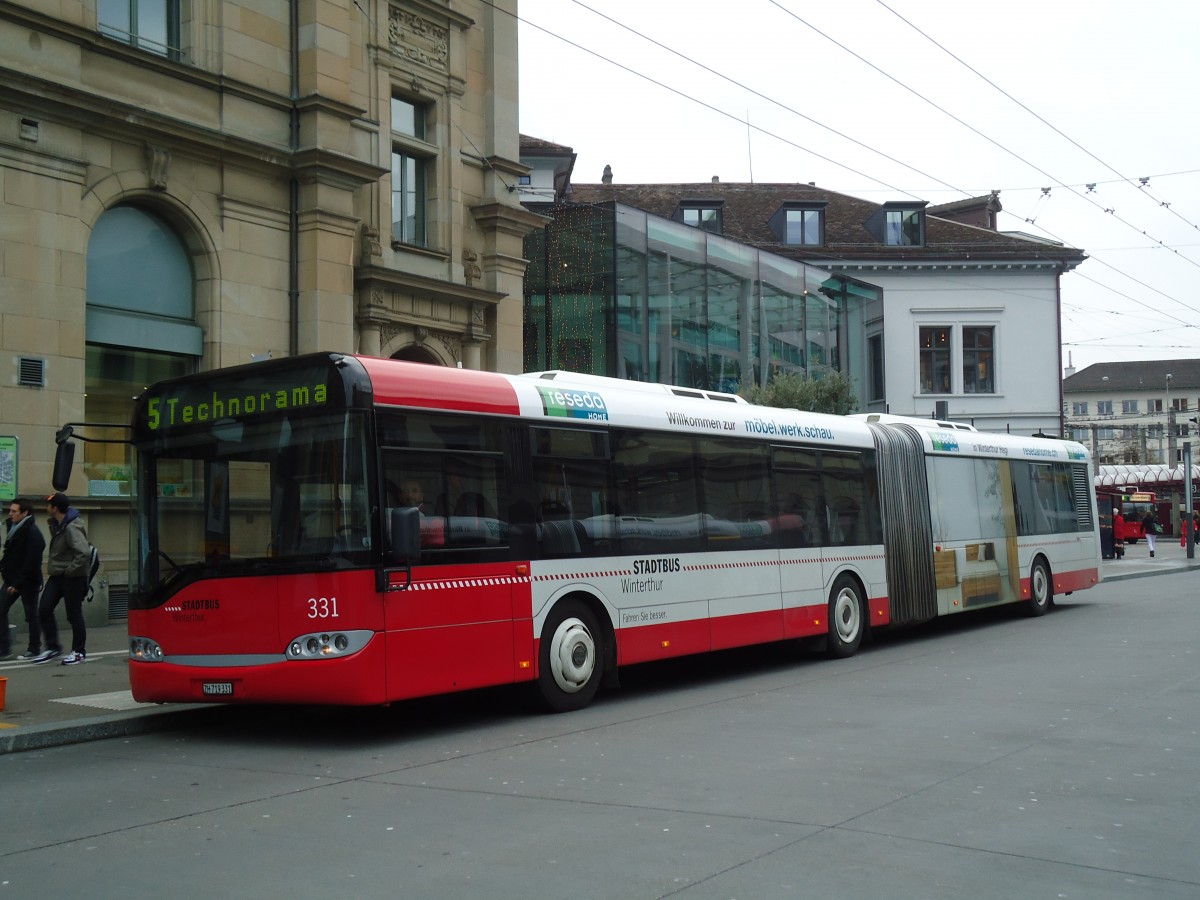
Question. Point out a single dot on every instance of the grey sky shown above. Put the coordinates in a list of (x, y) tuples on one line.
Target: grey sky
[(1116, 79)]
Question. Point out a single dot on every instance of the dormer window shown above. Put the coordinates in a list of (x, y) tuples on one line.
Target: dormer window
[(702, 214), (899, 224), (799, 224), (903, 228)]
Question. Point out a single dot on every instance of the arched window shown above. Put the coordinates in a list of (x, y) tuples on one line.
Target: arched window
[(141, 327)]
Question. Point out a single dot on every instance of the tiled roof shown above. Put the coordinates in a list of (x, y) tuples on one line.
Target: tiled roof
[(1146, 375), (537, 145), (746, 209)]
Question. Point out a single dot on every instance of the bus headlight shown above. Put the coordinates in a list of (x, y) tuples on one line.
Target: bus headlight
[(145, 650), (327, 644)]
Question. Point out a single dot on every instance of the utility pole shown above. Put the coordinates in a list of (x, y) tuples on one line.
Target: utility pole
[(1188, 500), (1170, 460)]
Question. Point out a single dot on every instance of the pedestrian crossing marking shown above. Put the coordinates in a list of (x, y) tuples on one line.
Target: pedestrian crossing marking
[(116, 701)]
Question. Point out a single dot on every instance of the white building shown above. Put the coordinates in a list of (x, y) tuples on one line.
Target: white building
[(969, 327), (1134, 412)]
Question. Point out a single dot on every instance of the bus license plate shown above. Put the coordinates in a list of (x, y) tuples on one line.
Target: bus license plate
[(217, 688)]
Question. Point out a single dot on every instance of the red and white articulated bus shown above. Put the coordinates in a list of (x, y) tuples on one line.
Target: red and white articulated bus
[(347, 530)]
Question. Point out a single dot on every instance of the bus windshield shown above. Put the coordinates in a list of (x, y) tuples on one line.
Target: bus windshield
[(268, 492)]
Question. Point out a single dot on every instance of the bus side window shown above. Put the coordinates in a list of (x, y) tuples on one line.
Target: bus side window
[(736, 486), (800, 516), (574, 512), (656, 478), (471, 499)]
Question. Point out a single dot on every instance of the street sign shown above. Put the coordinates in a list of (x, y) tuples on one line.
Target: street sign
[(8, 468)]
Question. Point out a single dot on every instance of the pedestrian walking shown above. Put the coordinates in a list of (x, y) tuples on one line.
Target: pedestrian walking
[(1151, 529), (21, 576), (67, 571)]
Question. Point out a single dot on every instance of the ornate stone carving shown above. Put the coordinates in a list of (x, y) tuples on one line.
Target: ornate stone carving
[(418, 39), (158, 163), (471, 269), (477, 330), (371, 248), (453, 346), (388, 333)]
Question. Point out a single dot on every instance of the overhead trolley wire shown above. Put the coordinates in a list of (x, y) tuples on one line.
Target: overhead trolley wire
[(1142, 182), (740, 121), (1109, 210)]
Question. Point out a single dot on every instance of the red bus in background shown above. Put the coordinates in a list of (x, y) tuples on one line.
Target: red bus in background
[(1133, 506), (349, 530)]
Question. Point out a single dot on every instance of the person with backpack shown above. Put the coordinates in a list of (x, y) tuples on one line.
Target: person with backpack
[(1150, 529), (21, 572), (67, 568)]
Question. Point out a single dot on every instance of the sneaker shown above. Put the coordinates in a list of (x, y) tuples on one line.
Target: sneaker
[(74, 658), (47, 655), (30, 654)]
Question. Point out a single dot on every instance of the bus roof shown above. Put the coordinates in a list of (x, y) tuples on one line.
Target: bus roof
[(556, 398), (914, 421)]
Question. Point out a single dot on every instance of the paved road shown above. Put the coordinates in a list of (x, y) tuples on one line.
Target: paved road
[(994, 756)]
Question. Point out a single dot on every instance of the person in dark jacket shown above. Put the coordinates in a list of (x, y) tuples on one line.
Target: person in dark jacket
[(67, 571), (1150, 530), (21, 575)]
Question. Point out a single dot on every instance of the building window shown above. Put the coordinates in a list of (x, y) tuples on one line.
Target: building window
[(1079, 408), (1154, 406), (408, 118), (979, 360), (525, 180), (408, 198), (1104, 407), (935, 359), (802, 227), (151, 25), (707, 218), (1179, 404), (902, 228), (412, 165), (875, 367), (1129, 407), (141, 327)]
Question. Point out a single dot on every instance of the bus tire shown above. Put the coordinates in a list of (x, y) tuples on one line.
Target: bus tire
[(847, 618), (571, 657), (1041, 589)]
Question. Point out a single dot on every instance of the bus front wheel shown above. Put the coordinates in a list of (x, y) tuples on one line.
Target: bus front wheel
[(846, 618), (571, 658), (1041, 589)]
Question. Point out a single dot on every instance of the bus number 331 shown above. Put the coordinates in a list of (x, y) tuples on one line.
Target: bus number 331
[(322, 608)]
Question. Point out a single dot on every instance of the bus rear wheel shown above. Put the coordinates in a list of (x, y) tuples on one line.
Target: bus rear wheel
[(1041, 589), (847, 618), (571, 657)]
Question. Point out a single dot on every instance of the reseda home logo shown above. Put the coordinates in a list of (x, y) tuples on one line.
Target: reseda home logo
[(945, 441), (570, 403)]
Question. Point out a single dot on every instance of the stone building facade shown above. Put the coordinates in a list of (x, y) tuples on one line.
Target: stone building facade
[(192, 184)]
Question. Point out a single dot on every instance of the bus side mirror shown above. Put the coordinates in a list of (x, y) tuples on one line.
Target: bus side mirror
[(405, 526), (64, 459)]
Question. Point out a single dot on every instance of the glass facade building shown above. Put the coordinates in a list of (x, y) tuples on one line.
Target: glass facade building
[(612, 290)]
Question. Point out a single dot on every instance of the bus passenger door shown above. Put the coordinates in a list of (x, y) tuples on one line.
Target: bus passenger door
[(450, 630)]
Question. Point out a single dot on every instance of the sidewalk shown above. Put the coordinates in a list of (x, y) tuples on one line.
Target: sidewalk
[(53, 704), (1168, 557)]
